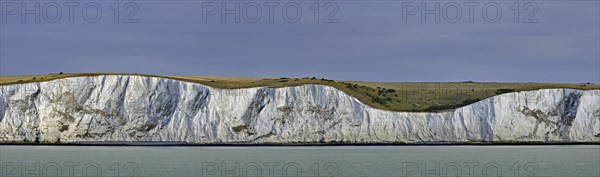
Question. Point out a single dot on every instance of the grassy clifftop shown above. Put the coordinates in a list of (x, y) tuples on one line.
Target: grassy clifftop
[(393, 96)]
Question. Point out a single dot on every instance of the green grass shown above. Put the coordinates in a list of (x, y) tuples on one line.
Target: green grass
[(393, 96)]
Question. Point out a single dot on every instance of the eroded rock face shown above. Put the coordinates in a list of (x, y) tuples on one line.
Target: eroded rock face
[(134, 108)]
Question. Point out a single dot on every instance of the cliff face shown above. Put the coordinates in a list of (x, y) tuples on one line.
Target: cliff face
[(134, 108)]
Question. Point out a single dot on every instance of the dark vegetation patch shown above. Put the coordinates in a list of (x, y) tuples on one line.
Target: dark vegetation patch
[(239, 128)]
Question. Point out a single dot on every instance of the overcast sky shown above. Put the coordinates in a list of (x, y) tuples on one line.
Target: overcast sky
[(370, 41)]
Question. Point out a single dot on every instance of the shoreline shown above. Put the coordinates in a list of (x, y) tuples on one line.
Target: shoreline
[(183, 144)]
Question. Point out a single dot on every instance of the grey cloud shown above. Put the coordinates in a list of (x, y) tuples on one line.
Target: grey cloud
[(369, 43)]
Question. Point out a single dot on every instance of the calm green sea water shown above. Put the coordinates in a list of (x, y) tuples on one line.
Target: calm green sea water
[(301, 161)]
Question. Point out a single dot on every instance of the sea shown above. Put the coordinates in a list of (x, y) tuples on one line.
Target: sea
[(275, 161)]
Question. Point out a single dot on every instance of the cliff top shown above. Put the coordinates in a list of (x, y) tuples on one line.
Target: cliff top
[(393, 96)]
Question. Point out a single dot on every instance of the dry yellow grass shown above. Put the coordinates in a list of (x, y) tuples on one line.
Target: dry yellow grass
[(394, 96)]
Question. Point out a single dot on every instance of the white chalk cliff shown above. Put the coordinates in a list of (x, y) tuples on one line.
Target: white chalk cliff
[(142, 109)]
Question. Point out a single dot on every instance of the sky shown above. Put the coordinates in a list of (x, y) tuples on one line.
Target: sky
[(384, 40)]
